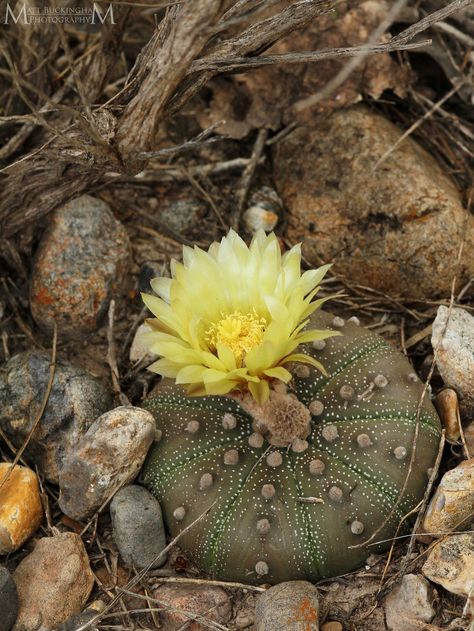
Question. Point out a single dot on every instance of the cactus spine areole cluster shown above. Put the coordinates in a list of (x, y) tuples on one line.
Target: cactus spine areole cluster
[(291, 444)]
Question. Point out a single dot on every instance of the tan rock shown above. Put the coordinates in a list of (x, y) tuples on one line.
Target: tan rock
[(199, 601), (21, 511), (453, 341), (451, 564), (397, 228), (81, 263), (53, 582), (452, 505), (446, 403), (409, 604), (292, 605), (108, 456)]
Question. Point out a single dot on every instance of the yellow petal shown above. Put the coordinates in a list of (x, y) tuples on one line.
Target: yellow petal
[(305, 359), (260, 391), (279, 373), (226, 356), (232, 316), (190, 374), (162, 287), (165, 368)]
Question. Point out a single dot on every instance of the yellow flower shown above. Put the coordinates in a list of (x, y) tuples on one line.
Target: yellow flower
[(230, 318)]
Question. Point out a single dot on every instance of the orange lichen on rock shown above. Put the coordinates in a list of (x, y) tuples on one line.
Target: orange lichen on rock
[(305, 613)]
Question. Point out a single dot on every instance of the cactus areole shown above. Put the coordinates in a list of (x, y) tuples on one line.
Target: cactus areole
[(297, 473)]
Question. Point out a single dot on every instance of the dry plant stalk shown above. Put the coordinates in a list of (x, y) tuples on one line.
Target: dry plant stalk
[(87, 141)]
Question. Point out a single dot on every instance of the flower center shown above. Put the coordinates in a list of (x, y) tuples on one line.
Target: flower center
[(238, 331)]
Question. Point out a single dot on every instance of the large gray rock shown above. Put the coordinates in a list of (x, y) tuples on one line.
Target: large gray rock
[(138, 529), (108, 456), (453, 341), (81, 263), (53, 582), (397, 228), (75, 401), (8, 600), (292, 606), (408, 605)]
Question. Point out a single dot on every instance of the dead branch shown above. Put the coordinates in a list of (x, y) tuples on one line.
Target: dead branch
[(84, 143), (188, 26)]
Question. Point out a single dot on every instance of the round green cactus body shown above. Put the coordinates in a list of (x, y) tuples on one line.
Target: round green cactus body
[(296, 512)]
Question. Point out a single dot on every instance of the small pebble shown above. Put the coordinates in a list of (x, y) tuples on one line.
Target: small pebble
[(54, 582), (289, 606), (453, 342), (355, 320), (408, 605), (21, 511), (81, 263), (263, 212), (446, 403), (212, 603), (108, 456), (137, 526), (182, 215), (318, 345), (8, 600), (256, 218), (338, 322)]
